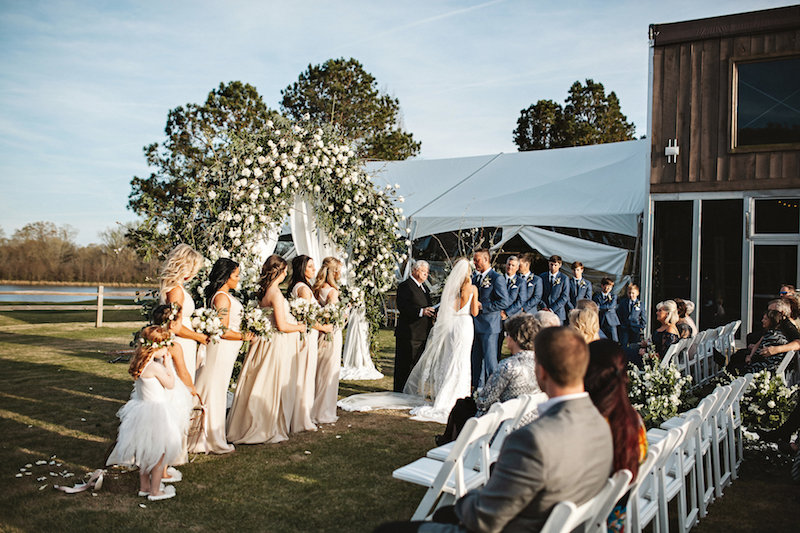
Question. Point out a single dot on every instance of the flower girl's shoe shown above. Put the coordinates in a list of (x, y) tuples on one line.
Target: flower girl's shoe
[(174, 475), (169, 492)]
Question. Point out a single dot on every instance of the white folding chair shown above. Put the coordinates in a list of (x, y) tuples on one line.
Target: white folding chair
[(645, 471), (706, 353), (693, 357), (566, 516), (449, 480), (620, 482), (643, 504), (737, 420), (682, 463), (781, 371), (720, 443), (671, 351), (738, 388)]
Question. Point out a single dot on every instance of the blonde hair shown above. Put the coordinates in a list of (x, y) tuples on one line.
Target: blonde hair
[(586, 322), (182, 262), (672, 311), (144, 352), (327, 274)]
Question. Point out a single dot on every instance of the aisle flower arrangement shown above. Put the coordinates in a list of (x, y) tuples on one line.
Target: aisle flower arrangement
[(655, 391)]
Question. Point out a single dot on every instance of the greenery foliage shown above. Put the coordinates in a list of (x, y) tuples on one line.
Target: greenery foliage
[(656, 392), (341, 92), (589, 116)]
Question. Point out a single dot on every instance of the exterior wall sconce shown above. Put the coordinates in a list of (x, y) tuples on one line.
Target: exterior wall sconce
[(672, 150)]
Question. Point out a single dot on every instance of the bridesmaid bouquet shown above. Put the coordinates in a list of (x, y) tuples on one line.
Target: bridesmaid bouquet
[(304, 311), (206, 320), (334, 314), (256, 320)]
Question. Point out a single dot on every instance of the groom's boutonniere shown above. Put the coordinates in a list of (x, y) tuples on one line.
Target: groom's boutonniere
[(486, 283)]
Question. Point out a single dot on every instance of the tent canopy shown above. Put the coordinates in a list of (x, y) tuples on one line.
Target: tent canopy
[(600, 187)]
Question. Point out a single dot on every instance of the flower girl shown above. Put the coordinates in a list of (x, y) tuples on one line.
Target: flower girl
[(148, 436)]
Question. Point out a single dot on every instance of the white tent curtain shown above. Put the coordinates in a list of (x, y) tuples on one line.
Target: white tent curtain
[(600, 256), (266, 247), (313, 241)]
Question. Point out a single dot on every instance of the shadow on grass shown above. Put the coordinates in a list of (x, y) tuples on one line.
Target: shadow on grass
[(68, 346)]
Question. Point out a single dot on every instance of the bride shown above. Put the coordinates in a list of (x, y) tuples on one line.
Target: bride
[(443, 371)]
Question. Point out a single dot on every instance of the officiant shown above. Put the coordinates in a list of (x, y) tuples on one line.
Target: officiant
[(413, 323)]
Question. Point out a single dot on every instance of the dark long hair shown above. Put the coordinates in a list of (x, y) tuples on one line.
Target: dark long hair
[(271, 269), (299, 264), (219, 276), (606, 381)]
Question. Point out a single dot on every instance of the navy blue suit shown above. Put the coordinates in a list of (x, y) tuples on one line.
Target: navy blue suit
[(533, 293), (608, 314), (632, 321), (517, 289), (556, 296), (578, 290), (493, 296)]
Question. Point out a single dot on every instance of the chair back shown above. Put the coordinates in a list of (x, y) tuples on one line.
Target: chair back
[(619, 484), (785, 362), (566, 516), (470, 448), (671, 351)]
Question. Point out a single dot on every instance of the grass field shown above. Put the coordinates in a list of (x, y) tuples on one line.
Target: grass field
[(59, 394)]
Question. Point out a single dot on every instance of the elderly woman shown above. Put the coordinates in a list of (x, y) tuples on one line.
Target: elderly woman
[(667, 334), (513, 377)]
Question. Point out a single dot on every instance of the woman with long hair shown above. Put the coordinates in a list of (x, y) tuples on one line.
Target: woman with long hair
[(329, 356), (262, 405), (181, 265), (303, 271), (606, 381), (214, 377)]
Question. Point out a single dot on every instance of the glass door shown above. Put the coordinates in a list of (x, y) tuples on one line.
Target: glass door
[(773, 265)]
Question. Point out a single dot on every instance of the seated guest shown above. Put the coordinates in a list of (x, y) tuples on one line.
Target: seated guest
[(786, 326), (565, 454), (667, 334), (606, 381), (513, 377), (632, 321), (794, 304), (533, 285), (590, 304), (606, 300), (580, 288), (787, 290), (752, 361), (686, 326), (586, 323)]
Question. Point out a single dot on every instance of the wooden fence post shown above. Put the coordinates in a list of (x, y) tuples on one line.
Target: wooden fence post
[(99, 321)]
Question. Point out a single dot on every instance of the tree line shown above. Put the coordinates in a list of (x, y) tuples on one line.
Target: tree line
[(43, 251)]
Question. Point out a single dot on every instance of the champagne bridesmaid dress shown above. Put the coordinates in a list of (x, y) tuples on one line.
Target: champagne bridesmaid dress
[(306, 376), (329, 361)]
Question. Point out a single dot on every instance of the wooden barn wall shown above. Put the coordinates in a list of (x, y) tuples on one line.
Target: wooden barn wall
[(691, 101)]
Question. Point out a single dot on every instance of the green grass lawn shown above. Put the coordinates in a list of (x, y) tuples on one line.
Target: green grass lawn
[(59, 395)]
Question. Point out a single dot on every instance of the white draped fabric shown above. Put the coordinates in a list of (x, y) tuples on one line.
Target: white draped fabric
[(313, 241), (266, 247)]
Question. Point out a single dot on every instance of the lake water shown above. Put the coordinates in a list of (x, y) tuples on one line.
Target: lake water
[(91, 293)]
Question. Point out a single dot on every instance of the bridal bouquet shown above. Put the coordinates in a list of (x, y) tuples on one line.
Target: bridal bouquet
[(206, 320), (334, 314), (256, 320)]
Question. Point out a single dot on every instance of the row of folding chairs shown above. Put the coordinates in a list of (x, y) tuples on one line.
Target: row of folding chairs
[(695, 356)]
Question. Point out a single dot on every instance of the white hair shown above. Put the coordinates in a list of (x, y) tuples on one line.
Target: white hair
[(548, 319), (672, 310), (419, 264), (689, 307)]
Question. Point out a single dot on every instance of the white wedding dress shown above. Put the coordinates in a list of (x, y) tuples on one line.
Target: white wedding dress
[(443, 373)]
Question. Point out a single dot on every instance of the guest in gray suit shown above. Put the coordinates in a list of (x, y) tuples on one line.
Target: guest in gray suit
[(565, 454)]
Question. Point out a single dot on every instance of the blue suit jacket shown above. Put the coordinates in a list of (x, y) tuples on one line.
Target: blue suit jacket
[(582, 291), (493, 296), (608, 309), (533, 293), (555, 297), (631, 318), (517, 294)]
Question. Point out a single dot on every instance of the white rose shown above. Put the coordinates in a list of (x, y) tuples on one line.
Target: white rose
[(771, 404), (248, 162), (257, 172), (246, 172), (212, 195)]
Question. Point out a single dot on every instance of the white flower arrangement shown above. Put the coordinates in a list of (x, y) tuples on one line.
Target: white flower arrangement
[(256, 320), (655, 391), (334, 314), (206, 320), (767, 402)]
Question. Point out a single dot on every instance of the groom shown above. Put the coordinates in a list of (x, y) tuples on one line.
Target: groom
[(492, 299)]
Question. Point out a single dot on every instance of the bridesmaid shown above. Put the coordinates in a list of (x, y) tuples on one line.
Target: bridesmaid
[(214, 377), (326, 290), (183, 264), (300, 287), (262, 405)]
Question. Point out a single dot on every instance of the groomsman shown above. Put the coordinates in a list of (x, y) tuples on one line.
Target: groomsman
[(632, 320), (413, 323), (579, 288), (607, 302), (555, 284), (533, 285), (492, 299), (517, 292)]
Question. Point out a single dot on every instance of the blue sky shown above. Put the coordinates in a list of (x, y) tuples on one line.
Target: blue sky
[(85, 85)]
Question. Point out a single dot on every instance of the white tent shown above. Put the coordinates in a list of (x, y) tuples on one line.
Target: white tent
[(601, 187)]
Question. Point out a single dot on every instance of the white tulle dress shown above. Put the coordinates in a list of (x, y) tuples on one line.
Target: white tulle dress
[(147, 429)]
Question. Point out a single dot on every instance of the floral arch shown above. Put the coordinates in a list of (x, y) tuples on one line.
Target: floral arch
[(248, 189)]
